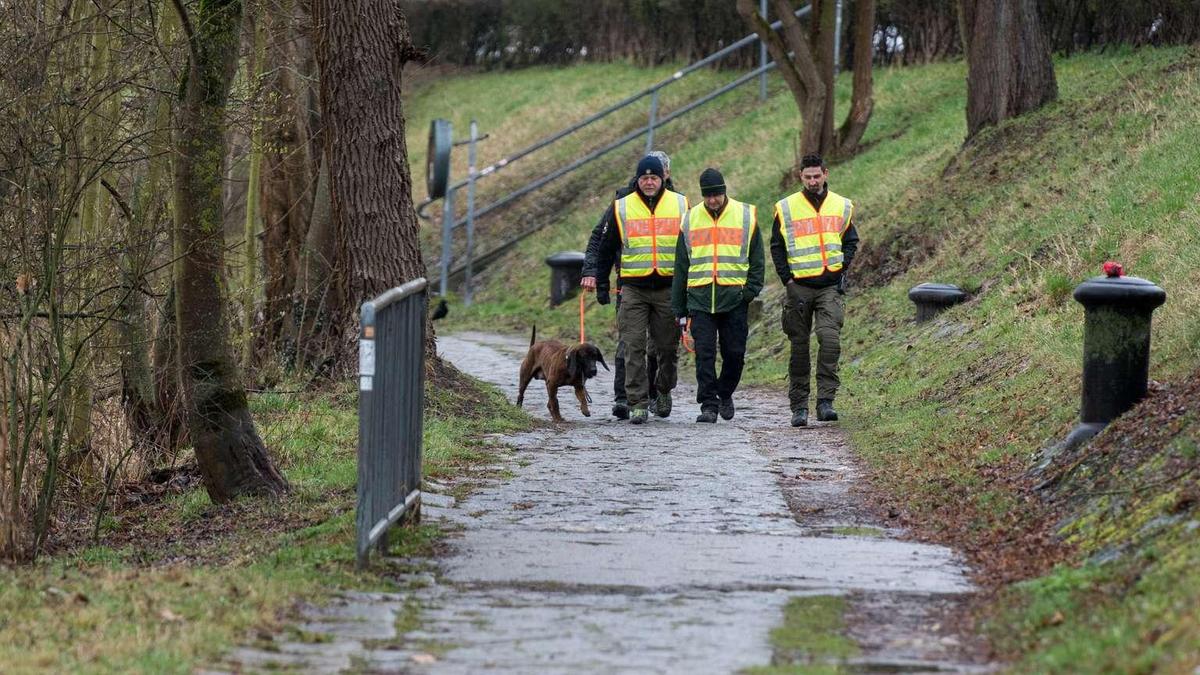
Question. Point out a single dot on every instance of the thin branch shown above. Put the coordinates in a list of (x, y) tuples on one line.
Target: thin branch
[(187, 31)]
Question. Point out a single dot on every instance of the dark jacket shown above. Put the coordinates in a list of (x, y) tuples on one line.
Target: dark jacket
[(591, 256), (715, 298), (608, 249), (827, 278)]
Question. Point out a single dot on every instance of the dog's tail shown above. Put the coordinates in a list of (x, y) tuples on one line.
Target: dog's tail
[(533, 338)]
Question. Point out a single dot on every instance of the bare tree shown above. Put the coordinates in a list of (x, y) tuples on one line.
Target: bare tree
[(1008, 61), (232, 458), (362, 46), (806, 62)]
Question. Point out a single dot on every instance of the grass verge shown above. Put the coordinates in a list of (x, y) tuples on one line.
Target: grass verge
[(175, 581), (811, 639)]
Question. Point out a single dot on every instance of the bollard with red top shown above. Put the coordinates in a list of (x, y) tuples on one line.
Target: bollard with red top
[(1116, 347)]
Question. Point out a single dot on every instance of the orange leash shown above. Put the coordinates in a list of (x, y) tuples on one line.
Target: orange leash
[(582, 301), (686, 339)]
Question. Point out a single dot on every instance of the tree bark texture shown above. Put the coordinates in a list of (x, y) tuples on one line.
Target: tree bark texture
[(362, 46), (1008, 61), (232, 458), (289, 172), (862, 101)]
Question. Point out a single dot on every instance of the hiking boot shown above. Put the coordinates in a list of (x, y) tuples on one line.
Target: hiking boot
[(652, 408), (800, 418), (825, 411), (707, 417), (726, 409), (621, 410), (638, 416), (662, 406)]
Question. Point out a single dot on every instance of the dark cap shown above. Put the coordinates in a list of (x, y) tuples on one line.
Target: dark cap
[(650, 166), (712, 183)]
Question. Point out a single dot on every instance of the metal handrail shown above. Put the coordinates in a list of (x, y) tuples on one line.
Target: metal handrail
[(596, 154), (627, 101)]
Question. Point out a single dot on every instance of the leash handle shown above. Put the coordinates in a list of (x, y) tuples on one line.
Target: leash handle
[(582, 303), (685, 337)]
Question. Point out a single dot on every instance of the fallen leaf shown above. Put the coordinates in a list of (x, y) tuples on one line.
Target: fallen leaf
[(167, 615), (423, 658)]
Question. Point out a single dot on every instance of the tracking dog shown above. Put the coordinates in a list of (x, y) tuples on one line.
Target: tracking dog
[(560, 366)]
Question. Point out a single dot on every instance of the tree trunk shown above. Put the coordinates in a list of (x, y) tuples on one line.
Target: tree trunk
[(1008, 61), (362, 46), (800, 71), (862, 102), (313, 290), (822, 29), (288, 174), (233, 460)]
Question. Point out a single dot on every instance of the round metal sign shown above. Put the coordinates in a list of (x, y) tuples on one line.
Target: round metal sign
[(437, 158)]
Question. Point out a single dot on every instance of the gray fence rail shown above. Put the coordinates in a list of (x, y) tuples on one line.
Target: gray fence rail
[(391, 397), (449, 220)]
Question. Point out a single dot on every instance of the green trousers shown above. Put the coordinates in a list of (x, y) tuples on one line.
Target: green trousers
[(645, 315), (807, 310)]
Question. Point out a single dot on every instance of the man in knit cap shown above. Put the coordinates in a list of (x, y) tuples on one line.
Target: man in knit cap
[(600, 285), (719, 267), (643, 232)]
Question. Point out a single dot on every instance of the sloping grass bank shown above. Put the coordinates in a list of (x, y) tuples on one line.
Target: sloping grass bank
[(175, 582), (951, 414)]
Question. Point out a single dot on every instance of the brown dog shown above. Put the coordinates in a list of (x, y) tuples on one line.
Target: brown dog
[(560, 366)]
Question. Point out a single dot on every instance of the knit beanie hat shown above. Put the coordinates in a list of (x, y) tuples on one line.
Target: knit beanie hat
[(712, 183), (650, 165)]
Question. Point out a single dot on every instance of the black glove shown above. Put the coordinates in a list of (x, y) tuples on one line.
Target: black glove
[(602, 296)]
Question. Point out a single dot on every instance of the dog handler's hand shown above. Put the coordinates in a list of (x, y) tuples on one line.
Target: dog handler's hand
[(682, 322), (588, 283)]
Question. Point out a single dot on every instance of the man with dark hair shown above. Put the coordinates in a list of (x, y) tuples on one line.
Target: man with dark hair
[(600, 285), (718, 271), (644, 231), (813, 242)]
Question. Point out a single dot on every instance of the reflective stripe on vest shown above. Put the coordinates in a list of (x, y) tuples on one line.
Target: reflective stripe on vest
[(648, 239), (814, 240), (719, 251)]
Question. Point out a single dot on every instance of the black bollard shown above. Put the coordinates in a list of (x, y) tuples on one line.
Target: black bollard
[(932, 299), (1116, 347), (566, 269)]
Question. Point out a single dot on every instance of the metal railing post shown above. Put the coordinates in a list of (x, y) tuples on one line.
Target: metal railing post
[(762, 55), (837, 39), (470, 210), (447, 230), (653, 121)]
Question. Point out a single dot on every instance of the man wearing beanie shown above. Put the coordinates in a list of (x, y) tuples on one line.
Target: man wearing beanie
[(813, 242), (643, 233), (719, 268), (589, 281)]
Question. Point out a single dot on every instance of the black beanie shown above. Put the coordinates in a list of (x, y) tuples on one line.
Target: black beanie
[(650, 165), (712, 183)]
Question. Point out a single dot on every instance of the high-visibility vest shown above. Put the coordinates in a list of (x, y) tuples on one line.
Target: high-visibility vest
[(719, 250), (648, 239), (814, 240)]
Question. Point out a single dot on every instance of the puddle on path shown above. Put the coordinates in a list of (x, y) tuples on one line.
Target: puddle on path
[(666, 548)]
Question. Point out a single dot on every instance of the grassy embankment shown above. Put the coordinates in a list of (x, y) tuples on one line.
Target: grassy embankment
[(176, 581), (951, 414)]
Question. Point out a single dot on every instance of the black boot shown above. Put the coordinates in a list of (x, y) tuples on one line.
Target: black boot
[(707, 417), (800, 418), (620, 410), (726, 409), (825, 411)]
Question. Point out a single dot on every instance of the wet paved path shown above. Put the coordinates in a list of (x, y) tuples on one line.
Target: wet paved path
[(670, 547)]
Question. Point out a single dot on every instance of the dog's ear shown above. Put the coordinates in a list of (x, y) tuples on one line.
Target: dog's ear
[(572, 362), (600, 357)]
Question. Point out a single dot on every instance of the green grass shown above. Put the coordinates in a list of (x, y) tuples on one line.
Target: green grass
[(1018, 218), (168, 602), (810, 640)]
